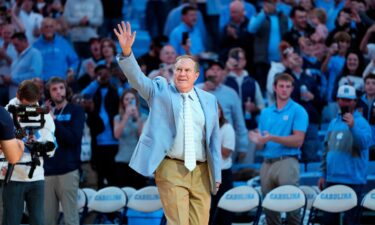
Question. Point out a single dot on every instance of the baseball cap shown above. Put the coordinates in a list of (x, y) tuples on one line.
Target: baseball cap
[(215, 62), (346, 91)]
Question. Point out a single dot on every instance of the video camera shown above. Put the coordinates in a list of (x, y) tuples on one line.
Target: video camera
[(27, 119)]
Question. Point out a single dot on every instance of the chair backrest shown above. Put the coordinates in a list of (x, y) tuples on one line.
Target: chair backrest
[(129, 191), (240, 199), (285, 198), (146, 199), (368, 201), (310, 194), (89, 192), (334, 199), (109, 199), (81, 200)]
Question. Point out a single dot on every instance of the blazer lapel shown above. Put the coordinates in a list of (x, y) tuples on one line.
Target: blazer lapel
[(205, 108)]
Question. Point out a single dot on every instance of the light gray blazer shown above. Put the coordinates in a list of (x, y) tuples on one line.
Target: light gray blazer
[(159, 130)]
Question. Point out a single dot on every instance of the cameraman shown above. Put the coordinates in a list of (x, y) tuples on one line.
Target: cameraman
[(9, 145), (21, 188)]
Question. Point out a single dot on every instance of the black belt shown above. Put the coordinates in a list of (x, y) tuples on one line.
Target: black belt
[(272, 160), (180, 160)]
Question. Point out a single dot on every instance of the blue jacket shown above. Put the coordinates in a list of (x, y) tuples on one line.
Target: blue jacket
[(58, 56), (346, 152)]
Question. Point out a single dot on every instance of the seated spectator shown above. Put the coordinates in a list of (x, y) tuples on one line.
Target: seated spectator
[(187, 37), (127, 128)]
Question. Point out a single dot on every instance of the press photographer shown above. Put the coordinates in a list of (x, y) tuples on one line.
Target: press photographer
[(36, 128)]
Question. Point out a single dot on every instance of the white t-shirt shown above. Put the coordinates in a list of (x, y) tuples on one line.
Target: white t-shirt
[(227, 140)]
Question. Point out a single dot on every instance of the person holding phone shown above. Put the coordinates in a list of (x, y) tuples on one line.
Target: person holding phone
[(127, 128), (346, 152)]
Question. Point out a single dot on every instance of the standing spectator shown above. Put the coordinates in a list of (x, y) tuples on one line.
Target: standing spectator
[(282, 129), (227, 141), (24, 189), (31, 20), (151, 60), (112, 14), (235, 33), (27, 65), (84, 17), (7, 55), (300, 26), (366, 106), (187, 38), (345, 157), (61, 171), (59, 58), (268, 27), (167, 57), (103, 142), (127, 127), (229, 102)]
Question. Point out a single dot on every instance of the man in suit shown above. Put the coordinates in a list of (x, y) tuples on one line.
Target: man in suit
[(184, 193)]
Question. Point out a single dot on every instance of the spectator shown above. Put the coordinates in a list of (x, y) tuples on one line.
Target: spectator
[(282, 129), (127, 127), (61, 171), (86, 73), (227, 141), (31, 20), (308, 5), (27, 65), (345, 157), (352, 72), (187, 38), (235, 33), (100, 120), (112, 14), (24, 189), (84, 17), (59, 58), (344, 23), (300, 26), (229, 101), (366, 106), (227, 10), (151, 60), (7, 55), (167, 57), (268, 27), (318, 18), (108, 51)]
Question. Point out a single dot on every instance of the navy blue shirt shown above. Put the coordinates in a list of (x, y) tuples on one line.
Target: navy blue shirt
[(6, 125)]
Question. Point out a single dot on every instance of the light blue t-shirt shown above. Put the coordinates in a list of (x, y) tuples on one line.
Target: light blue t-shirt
[(293, 117)]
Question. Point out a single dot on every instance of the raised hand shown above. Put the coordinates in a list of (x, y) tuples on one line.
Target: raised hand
[(125, 37)]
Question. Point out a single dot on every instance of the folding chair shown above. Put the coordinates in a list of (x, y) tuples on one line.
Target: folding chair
[(145, 200), (240, 199), (334, 199), (286, 198), (108, 200), (129, 191), (311, 193)]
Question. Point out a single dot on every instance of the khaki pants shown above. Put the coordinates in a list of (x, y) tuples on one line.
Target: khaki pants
[(273, 175), (185, 195)]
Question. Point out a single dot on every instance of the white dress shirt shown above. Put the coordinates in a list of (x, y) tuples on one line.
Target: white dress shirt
[(177, 150)]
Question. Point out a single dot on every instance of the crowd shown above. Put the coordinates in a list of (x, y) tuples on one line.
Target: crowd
[(281, 71)]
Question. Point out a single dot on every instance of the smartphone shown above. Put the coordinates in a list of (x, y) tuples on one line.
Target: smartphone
[(343, 110), (133, 102), (185, 37)]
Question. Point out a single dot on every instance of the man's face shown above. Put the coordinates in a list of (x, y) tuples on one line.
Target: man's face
[(295, 61), (48, 29), (237, 13), (190, 18), (19, 45), (185, 74), (370, 87), (103, 76), (95, 47), (168, 55), (215, 74), (7, 32), (300, 20), (283, 90), (57, 92), (344, 102), (344, 19)]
